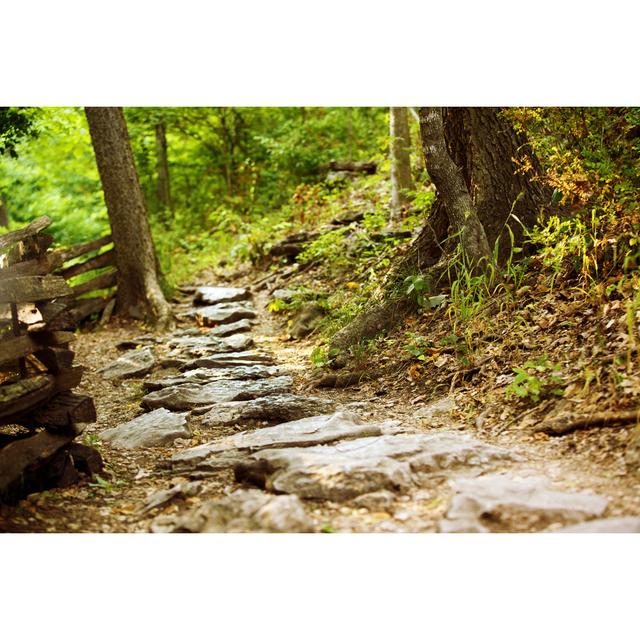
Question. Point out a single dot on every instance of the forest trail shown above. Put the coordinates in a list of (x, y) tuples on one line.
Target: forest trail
[(235, 438)]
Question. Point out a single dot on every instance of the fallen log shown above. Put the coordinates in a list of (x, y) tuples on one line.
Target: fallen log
[(562, 426)]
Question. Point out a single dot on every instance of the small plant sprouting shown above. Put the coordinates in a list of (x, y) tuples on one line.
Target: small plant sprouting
[(536, 379), (417, 287), (106, 485), (91, 440)]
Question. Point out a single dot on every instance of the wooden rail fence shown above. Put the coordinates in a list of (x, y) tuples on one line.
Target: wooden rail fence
[(38, 312)]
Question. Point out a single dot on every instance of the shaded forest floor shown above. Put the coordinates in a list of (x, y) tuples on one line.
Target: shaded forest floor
[(438, 393)]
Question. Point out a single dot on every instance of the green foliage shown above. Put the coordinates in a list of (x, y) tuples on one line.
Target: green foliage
[(238, 176), (91, 440), (106, 485), (327, 246), (16, 124), (417, 345), (56, 175), (322, 356), (416, 286), (535, 380)]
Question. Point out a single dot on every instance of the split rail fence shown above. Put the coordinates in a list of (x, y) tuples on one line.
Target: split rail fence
[(39, 311)]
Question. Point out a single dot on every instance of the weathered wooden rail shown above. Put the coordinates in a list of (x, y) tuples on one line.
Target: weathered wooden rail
[(84, 259), (38, 313)]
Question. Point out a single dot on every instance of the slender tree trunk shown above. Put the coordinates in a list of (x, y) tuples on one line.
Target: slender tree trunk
[(452, 188), (139, 294), (4, 214), (400, 148), (349, 134), (162, 169)]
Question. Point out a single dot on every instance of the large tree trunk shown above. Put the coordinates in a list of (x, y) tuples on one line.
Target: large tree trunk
[(484, 149), (139, 294), (400, 147), (452, 188), (162, 169)]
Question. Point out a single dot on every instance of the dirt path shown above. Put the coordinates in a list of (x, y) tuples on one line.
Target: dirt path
[(369, 458)]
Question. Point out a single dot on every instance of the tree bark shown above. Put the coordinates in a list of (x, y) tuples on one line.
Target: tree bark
[(400, 146), (162, 169), (452, 188), (139, 294)]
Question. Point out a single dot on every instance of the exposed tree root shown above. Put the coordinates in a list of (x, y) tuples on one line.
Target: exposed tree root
[(562, 426)]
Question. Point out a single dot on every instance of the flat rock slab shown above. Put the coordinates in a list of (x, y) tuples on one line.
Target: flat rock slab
[(204, 376), (204, 345), (189, 396), (240, 512), (364, 465), (630, 524), (164, 496), (133, 364), (502, 502), (241, 326), (233, 359), (277, 408), (219, 314), (299, 433), (220, 361), (215, 295), (148, 430)]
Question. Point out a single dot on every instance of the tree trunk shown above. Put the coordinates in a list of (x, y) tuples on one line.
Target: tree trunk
[(452, 188), (4, 215), (162, 169), (400, 146), (139, 294), (484, 149)]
